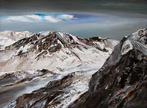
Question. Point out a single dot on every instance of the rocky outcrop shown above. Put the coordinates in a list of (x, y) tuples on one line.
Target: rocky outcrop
[(122, 80)]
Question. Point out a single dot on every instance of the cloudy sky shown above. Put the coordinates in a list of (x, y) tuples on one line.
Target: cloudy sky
[(34, 6), (85, 18)]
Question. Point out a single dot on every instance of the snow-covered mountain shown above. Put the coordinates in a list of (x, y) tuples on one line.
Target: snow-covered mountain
[(122, 80), (9, 37), (59, 70), (48, 68)]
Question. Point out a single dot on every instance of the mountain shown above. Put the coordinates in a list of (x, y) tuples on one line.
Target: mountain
[(50, 47), (122, 81), (49, 68), (9, 37), (54, 69)]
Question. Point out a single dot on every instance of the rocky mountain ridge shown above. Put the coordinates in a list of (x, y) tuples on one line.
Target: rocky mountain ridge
[(54, 69), (49, 62), (122, 80)]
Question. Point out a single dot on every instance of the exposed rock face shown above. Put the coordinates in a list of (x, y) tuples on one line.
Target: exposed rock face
[(49, 69), (122, 80)]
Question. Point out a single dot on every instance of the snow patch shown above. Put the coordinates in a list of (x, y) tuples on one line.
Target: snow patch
[(126, 47)]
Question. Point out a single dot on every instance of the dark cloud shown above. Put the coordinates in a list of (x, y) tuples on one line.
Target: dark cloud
[(33, 6)]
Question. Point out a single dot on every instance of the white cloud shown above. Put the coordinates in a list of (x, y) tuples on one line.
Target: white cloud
[(17, 18), (59, 17), (34, 17), (66, 17), (44, 17), (52, 19)]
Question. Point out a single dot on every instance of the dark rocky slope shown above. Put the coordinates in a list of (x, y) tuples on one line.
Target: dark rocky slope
[(122, 80)]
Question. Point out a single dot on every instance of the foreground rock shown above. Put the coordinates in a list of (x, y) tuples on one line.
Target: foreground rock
[(122, 80), (49, 69)]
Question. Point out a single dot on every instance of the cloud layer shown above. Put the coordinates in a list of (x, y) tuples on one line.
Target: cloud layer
[(40, 17)]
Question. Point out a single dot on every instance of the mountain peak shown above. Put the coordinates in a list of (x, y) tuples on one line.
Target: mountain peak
[(121, 81), (57, 45)]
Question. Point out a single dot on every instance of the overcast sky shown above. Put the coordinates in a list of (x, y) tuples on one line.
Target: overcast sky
[(12, 7), (84, 18)]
